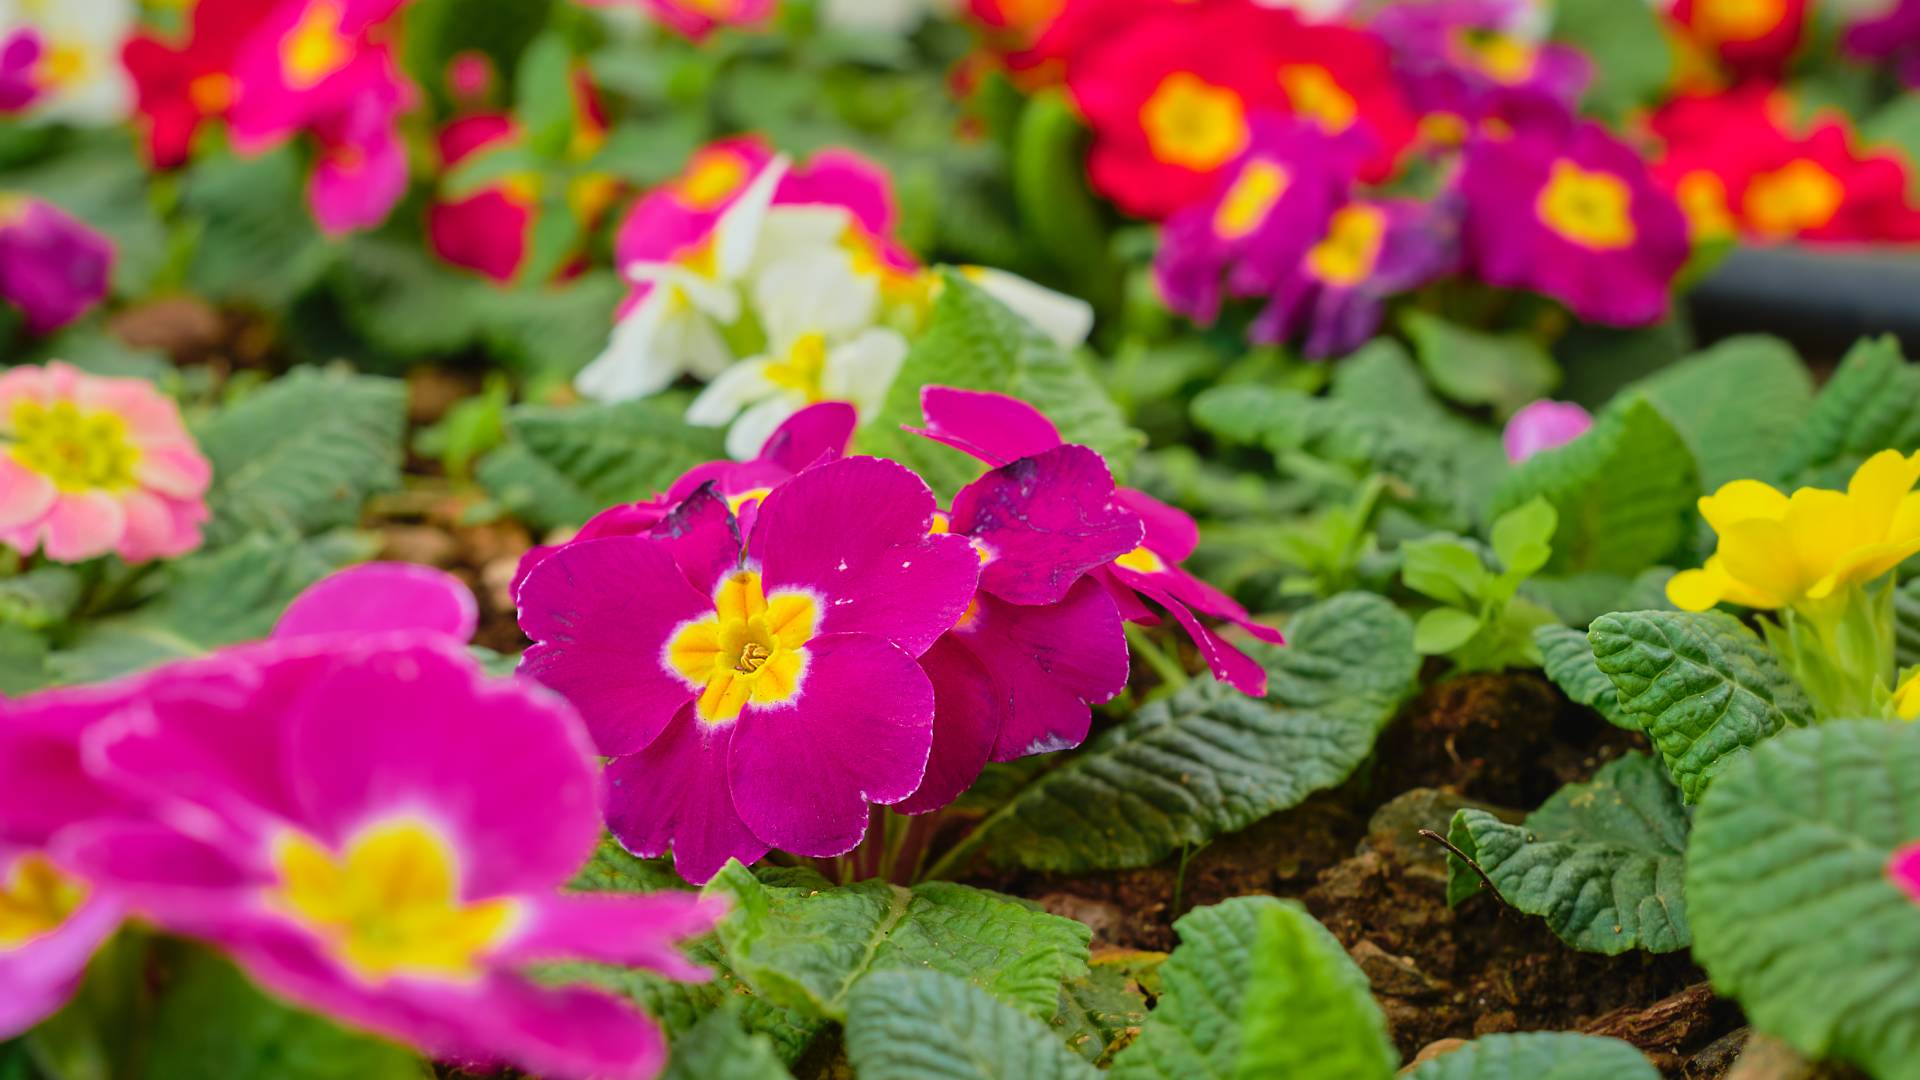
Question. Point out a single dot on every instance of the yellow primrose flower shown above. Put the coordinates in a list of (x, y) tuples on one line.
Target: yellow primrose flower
[(1777, 551), (1906, 700)]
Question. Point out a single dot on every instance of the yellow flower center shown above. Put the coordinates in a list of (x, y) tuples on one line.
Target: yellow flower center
[(1737, 20), (735, 502), (712, 179), (1588, 208), (1444, 128), (1798, 196), (315, 48), (1314, 94), (1194, 124), (63, 64), (753, 650), (77, 450), (1352, 246), (390, 904), (212, 92), (804, 367), (1251, 198), (1500, 57), (1703, 199), (1141, 560), (35, 898)]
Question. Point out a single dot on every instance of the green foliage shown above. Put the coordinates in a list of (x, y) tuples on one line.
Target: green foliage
[(1539, 1055), (560, 466), (1050, 188), (928, 1025), (97, 175), (1871, 403), (1481, 624), (1632, 60), (1738, 405), (1624, 492), (257, 243), (1567, 658), (718, 1048), (1906, 624), (1257, 988), (1100, 1012), (806, 946), (301, 454), (23, 661), (1210, 760), (1703, 687), (39, 598), (974, 342), (1794, 913), (1601, 861), (1473, 367)]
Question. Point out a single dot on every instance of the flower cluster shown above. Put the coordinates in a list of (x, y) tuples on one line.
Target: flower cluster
[(59, 61), (1275, 149), (761, 675), (355, 814), (91, 466), (783, 286)]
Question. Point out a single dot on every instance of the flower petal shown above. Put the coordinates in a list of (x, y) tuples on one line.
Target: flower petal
[(382, 597), (966, 720), (1045, 521), (992, 427), (629, 930), (25, 495), (673, 796)]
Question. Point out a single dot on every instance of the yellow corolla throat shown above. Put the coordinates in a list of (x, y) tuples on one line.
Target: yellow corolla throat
[(1589, 208), (1194, 124), (1315, 94), (1500, 57), (389, 904), (315, 48), (78, 449), (751, 495), (1798, 196), (804, 368), (942, 525), (1252, 197), (1347, 255), (752, 651), (1737, 20), (1141, 560), (712, 179), (35, 899)]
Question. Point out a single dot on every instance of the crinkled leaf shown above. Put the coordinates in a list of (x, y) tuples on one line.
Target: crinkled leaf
[(406, 301), (1624, 492), (615, 869), (1871, 403), (718, 1048), (23, 661), (974, 342), (1477, 368), (1704, 687), (1100, 1012), (39, 598), (560, 466), (1906, 623), (1738, 404), (301, 454), (1209, 760), (258, 241), (1794, 914), (1568, 661), (1540, 1055), (1257, 988), (928, 1025), (806, 947), (1601, 861)]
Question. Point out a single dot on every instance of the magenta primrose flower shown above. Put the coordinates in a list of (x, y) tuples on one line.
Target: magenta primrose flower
[(1571, 211), (998, 429), (371, 827), (92, 465), (1455, 57), (52, 267), (757, 694), (1543, 425), (1904, 869), (1371, 251)]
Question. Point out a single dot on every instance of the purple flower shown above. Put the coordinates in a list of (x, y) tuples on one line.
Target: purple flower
[(756, 695), (1371, 250), (20, 53), (1455, 56), (51, 267), (1893, 35), (1574, 215), (1543, 425), (1041, 641)]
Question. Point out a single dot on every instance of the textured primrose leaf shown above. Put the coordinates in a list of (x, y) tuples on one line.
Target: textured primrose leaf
[(1568, 661), (1624, 491), (1210, 760), (212, 1022), (1257, 988), (23, 661), (928, 1025), (1794, 914), (1600, 861), (404, 299), (1099, 1012), (302, 453), (257, 241), (40, 597), (1540, 1055), (974, 342), (718, 1048), (1739, 405), (1871, 403), (561, 466), (1906, 623), (806, 947), (1477, 368), (553, 330), (1704, 688)]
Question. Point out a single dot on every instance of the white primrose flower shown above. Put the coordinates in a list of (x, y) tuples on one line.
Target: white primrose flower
[(79, 75), (822, 345), (1066, 319)]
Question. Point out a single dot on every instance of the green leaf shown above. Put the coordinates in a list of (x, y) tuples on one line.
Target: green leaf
[(301, 454), (1540, 1055), (258, 241), (1445, 568), (1256, 989), (98, 175), (23, 661), (806, 947), (543, 95), (1049, 186), (552, 331), (1443, 630), (1601, 861), (1906, 623), (1476, 368), (1871, 403), (927, 1025), (1568, 660), (39, 598), (615, 869), (974, 342), (1100, 1012), (1210, 760), (560, 466), (1624, 492), (1794, 913), (1632, 60), (256, 1035), (1523, 537), (1737, 404), (1704, 687), (718, 1048), (406, 301)]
